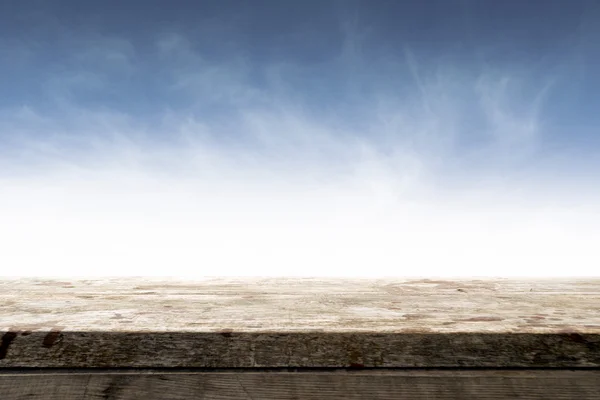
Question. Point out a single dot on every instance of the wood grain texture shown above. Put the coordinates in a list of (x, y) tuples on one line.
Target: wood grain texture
[(250, 322), (418, 385)]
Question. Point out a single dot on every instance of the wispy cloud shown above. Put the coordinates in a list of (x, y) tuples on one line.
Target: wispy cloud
[(427, 182)]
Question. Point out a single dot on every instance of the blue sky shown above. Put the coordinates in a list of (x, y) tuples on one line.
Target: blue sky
[(341, 138)]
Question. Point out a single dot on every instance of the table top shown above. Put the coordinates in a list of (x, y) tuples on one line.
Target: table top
[(299, 322)]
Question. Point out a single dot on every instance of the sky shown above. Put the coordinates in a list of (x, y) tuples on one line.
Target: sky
[(445, 138)]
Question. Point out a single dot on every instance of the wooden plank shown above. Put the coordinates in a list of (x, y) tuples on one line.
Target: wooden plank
[(304, 385), (251, 322)]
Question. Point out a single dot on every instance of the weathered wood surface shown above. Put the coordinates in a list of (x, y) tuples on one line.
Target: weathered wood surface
[(222, 323), (494, 385)]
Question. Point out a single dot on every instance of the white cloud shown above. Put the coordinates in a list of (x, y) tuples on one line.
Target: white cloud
[(291, 192), (136, 208)]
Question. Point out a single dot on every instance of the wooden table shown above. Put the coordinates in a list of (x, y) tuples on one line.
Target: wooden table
[(278, 338)]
